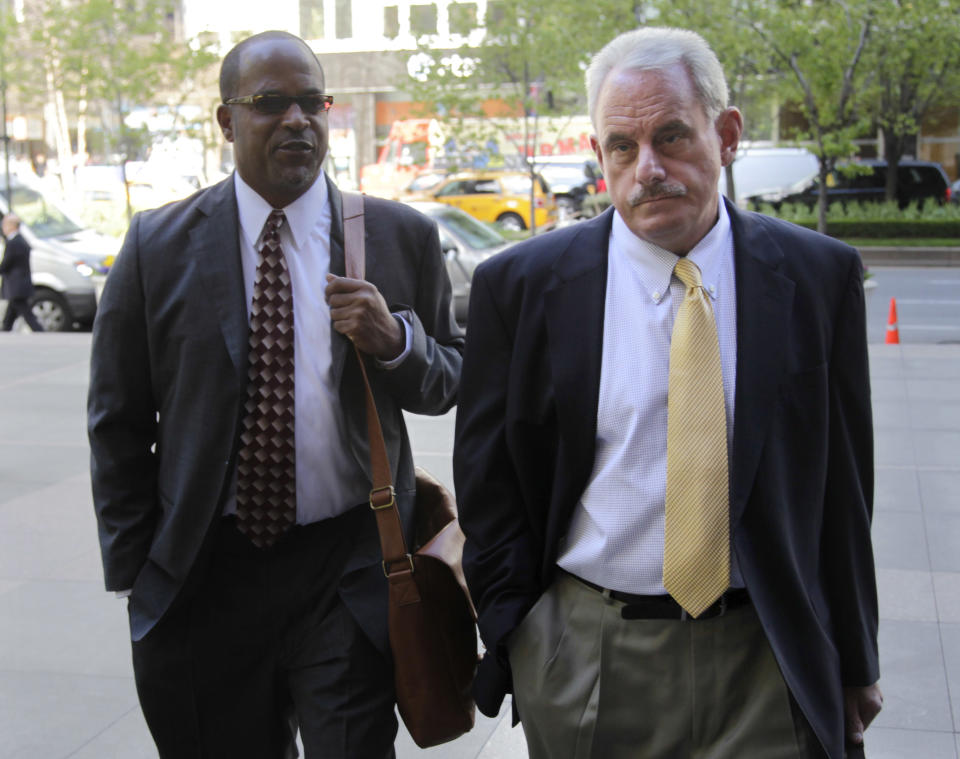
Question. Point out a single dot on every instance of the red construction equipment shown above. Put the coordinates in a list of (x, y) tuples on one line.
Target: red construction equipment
[(893, 330)]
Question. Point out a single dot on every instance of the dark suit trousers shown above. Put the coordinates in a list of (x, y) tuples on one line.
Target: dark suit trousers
[(20, 307), (263, 645)]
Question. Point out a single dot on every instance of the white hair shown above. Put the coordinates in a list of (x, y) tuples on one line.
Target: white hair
[(656, 48)]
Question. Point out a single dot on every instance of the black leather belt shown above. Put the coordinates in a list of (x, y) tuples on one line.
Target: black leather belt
[(664, 607)]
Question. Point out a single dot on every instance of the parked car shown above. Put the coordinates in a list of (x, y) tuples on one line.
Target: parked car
[(570, 178), (502, 197), (918, 182), (769, 171), (68, 262), (423, 182), (465, 243)]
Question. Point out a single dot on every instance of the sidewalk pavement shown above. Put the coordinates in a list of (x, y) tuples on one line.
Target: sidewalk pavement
[(66, 687)]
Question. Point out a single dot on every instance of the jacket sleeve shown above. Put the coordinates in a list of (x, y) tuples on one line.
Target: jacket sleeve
[(501, 557), (122, 421), (849, 566), (427, 380)]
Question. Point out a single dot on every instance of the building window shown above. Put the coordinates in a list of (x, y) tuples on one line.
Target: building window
[(423, 19), (463, 18), (344, 19), (311, 19), (391, 22), (496, 13)]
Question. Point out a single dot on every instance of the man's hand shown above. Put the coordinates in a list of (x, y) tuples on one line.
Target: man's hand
[(359, 312), (860, 706)]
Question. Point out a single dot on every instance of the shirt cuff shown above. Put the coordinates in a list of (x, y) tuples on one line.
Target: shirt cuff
[(123, 593), (407, 344)]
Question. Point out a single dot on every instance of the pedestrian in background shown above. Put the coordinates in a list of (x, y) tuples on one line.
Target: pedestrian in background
[(17, 285), (227, 425), (663, 454)]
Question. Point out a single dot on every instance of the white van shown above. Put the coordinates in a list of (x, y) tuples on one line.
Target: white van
[(68, 262), (768, 171)]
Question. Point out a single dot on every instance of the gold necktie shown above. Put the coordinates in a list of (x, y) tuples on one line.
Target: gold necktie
[(696, 551)]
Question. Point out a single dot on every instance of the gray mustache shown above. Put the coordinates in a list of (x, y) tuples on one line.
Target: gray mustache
[(642, 194)]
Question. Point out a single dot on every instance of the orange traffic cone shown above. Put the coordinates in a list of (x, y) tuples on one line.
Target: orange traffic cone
[(893, 331)]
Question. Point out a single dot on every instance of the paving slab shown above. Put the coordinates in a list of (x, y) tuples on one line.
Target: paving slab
[(913, 679), (900, 541), (896, 489), (906, 595), (888, 743)]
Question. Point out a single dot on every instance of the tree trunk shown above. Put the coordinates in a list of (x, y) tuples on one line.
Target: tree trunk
[(822, 199), (892, 150), (731, 186), (82, 125), (61, 131)]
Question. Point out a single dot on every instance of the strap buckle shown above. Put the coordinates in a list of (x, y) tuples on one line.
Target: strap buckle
[(377, 491), (386, 568)]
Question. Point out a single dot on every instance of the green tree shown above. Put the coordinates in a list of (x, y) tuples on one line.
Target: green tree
[(128, 56), (113, 53), (916, 57), (745, 63), (531, 58), (817, 50)]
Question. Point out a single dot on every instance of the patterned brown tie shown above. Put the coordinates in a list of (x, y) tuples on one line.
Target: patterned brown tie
[(696, 550), (266, 465)]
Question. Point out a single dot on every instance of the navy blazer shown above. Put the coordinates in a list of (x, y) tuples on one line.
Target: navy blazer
[(15, 269), (801, 485), (168, 379)]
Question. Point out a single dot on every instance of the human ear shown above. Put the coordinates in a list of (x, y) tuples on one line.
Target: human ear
[(225, 120), (729, 126), (595, 146)]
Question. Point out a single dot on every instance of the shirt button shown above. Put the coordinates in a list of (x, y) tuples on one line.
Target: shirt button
[(656, 295), (713, 290)]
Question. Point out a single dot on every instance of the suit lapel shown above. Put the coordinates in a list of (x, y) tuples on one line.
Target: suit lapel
[(574, 309), (764, 305), (215, 245)]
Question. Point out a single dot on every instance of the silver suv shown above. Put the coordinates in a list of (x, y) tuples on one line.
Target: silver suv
[(68, 262)]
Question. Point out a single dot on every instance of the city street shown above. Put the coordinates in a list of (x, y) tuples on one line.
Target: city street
[(66, 687), (928, 303)]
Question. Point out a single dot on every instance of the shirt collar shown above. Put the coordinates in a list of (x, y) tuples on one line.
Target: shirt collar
[(302, 215), (655, 265)]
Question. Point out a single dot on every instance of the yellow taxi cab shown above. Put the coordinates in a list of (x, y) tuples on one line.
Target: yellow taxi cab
[(502, 197)]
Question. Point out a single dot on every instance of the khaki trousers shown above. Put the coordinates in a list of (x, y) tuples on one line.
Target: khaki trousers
[(588, 683)]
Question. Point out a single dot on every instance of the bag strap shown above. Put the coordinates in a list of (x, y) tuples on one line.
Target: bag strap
[(383, 501)]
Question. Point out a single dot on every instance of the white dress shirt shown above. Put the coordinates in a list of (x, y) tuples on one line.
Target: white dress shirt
[(616, 534), (329, 478)]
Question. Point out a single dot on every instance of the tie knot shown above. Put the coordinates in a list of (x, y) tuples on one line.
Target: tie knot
[(272, 226), (688, 273)]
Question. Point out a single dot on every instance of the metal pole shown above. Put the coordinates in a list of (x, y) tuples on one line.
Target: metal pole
[(3, 101)]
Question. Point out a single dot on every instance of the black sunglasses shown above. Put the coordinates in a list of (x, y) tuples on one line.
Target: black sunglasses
[(273, 105)]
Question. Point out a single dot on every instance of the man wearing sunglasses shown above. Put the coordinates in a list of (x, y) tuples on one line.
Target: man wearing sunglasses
[(228, 433)]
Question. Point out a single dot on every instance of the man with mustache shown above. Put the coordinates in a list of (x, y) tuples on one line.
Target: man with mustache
[(227, 426), (663, 455)]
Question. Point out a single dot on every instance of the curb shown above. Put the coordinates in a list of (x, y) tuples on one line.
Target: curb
[(890, 256)]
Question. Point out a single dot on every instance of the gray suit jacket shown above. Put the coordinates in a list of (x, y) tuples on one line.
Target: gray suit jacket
[(168, 379)]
